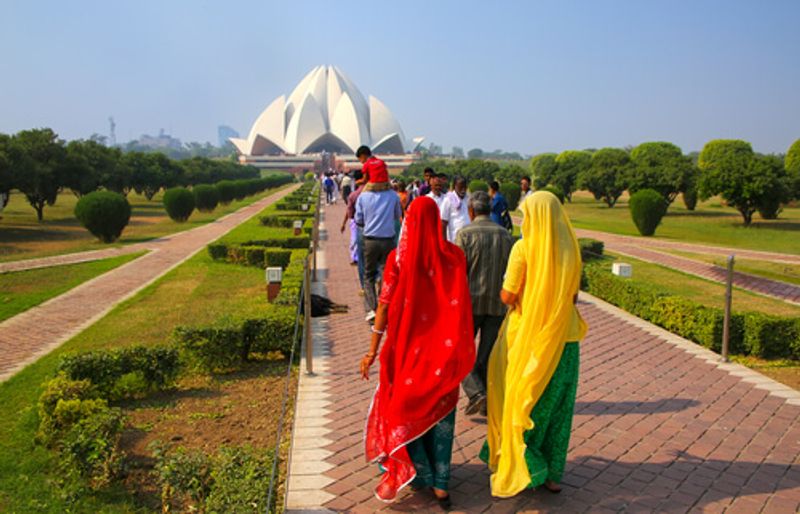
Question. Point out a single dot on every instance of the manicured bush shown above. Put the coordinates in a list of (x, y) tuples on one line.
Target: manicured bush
[(58, 391), (309, 177), (478, 185), (272, 333), (206, 197), (647, 207), (218, 251), (227, 191), (104, 213), (292, 279), (285, 242), (90, 450), (771, 336), (512, 193), (124, 372), (179, 203), (591, 249), (184, 476), (556, 191), (242, 189), (690, 198)]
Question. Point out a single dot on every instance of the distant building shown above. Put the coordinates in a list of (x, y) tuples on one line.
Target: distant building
[(224, 133), (161, 141)]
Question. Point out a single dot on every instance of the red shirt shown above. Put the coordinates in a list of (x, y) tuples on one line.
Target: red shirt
[(375, 170)]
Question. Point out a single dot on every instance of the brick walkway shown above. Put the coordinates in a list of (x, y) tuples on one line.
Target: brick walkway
[(660, 425), (27, 336)]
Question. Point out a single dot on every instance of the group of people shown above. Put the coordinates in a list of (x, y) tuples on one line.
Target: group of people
[(450, 272)]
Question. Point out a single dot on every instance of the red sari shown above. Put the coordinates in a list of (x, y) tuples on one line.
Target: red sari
[(429, 345)]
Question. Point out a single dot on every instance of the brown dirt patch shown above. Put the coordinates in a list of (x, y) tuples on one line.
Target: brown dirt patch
[(237, 409)]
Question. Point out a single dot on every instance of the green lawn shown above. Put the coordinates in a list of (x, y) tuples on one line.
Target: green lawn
[(702, 291), (21, 290), (710, 223), (772, 270), (23, 237)]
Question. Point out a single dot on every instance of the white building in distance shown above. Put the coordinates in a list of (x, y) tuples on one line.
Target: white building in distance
[(325, 113)]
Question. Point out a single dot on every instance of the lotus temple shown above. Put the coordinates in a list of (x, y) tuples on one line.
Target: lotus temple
[(325, 114)]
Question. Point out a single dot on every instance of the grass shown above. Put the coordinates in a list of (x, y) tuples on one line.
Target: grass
[(710, 223), (21, 290), (782, 370), (197, 292), (773, 270), (23, 237), (703, 291)]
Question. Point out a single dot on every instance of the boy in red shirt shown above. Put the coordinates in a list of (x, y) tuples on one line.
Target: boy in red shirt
[(374, 170)]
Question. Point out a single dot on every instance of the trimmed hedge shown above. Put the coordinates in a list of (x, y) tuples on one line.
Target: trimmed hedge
[(179, 203), (227, 191), (206, 197), (556, 191), (478, 185), (751, 333), (591, 249), (104, 213), (512, 193), (647, 208)]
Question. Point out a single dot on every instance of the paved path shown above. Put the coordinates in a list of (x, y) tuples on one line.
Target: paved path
[(660, 425), (27, 336)]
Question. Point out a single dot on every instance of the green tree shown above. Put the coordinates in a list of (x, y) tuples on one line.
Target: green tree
[(473, 169), (745, 181), (6, 180), (37, 163), (571, 164), (792, 166), (660, 166), (511, 173), (116, 174), (475, 153), (87, 162), (607, 177), (543, 169)]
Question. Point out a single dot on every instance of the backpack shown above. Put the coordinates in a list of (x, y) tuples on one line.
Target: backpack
[(506, 220)]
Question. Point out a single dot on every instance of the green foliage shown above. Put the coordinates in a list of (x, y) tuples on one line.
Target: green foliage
[(89, 452), (512, 193), (478, 185), (607, 177), (690, 198), (184, 475), (751, 333), (86, 162), (227, 191), (218, 251), (543, 169), (58, 391), (556, 191), (571, 164), (309, 176), (104, 213), (206, 197), (591, 249), (746, 181), (37, 166), (511, 173), (124, 372), (662, 167), (179, 203), (792, 166), (647, 208)]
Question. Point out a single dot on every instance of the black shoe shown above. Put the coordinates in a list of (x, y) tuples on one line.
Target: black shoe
[(476, 404), (445, 503)]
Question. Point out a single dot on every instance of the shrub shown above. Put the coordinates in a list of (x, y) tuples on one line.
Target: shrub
[(227, 191), (478, 185), (104, 213), (556, 191), (179, 203), (512, 193), (90, 450), (690, 198), (124, 372), (242, 189), (272, 333), (240, 478), (57, 391), (292, 279), (647, 207), (218, 251), (206, 197), (309, 176), (771, 336), (220, 348), (591, 249), (182, 473), (283, 242)]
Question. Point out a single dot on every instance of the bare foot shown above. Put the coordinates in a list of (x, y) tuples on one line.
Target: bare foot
[(553, 487)]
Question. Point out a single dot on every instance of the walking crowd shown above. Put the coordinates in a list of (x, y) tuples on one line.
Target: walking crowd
[(439, 269)]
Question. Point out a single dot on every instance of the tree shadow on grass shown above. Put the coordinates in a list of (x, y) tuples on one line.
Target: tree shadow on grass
[(34, 235)]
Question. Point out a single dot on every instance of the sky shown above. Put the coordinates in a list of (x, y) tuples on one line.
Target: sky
[(523, 76)]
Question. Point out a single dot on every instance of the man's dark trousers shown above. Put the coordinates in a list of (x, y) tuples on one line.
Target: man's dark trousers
[(489, 326), (375, 252)]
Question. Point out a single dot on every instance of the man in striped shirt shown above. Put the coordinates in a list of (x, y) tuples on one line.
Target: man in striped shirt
[(486, 246)]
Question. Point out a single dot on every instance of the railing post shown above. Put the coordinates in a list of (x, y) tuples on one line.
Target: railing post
[(726, 330), (315, 232), (309, 339)]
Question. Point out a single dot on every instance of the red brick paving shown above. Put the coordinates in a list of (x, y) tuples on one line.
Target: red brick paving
[(655, 428), (27, 336)]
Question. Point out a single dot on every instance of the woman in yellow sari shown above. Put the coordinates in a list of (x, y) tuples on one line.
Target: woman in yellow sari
[(533, 369)]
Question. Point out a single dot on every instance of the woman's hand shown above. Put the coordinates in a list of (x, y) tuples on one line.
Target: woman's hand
[(366, 362)]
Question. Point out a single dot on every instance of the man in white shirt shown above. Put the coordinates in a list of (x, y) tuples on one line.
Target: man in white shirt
[(454, 209), (525, 189), (438, 185)]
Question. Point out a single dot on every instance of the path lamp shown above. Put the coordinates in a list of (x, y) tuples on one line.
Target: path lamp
[(298, 227), (304, 207), (622, 269), (274, 278)]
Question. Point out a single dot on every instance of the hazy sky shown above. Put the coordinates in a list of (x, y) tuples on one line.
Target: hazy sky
[(525, 76)]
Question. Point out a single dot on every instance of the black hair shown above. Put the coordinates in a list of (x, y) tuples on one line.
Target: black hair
[(527, 178), (459, 179), (363, 150), (428, 170), (442, 175), (357, 175), (494, 185)]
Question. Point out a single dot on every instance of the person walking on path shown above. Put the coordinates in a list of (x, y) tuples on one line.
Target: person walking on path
[(428, 176), (356, 233), (486, 246), (454, 209), (499, 213), (376, 213), (438, 185), (425, 310), (328, 185), (347, 186), (533, 369), (525, 188)]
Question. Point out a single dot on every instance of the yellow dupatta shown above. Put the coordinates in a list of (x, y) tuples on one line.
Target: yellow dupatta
[(522, 365)]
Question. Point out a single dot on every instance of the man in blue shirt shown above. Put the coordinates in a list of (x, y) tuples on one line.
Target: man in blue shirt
[(376, 212), (499, 213)]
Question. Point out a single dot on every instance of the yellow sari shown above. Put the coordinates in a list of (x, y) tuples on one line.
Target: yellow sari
[(532, 339)]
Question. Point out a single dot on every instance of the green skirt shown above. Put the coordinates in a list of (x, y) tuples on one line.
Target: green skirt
[(547, 443)]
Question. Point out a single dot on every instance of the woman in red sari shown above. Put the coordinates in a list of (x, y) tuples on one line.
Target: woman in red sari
[(426, 312)]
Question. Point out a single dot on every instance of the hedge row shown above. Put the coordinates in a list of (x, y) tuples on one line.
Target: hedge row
[(751, 333), (591, 249)]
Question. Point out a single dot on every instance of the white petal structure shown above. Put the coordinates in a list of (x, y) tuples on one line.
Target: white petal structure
[(325, 112)]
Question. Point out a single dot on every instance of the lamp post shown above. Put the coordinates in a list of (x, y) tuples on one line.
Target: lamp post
[(274, 278), (298, 227)]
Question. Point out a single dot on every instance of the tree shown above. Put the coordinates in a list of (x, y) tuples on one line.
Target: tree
[(458, 152), (660, 166), (792, 166), (473, 169), (607, 177), (115, 175), (744, 180), (6, 180), (543, 169), (475, 153), (570, 165), (86, 162), (647, 208), (37, 162), (511, 173)]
